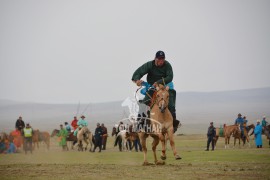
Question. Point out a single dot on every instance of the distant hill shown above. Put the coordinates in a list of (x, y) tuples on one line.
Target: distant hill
[(194, 109)]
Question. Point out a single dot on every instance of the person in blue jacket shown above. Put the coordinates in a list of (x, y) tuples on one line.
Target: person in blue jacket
[(258, 134)]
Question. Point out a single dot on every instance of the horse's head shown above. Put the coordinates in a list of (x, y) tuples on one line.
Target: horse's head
[(55, 131), (162, 97)]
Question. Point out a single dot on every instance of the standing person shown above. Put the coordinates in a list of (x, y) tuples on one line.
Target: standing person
[(27, 134), (68, 128), (159, 71), (211, 133), (20, 124), (258, 134), (74, 123), (104, 137), (63, 133), (264, 122), (98, 137), (118, 139)]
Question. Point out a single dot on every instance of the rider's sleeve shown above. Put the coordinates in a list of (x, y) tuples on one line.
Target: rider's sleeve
[(141, 71), (169, 74)]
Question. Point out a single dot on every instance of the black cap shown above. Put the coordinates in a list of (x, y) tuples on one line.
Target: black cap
[(160, 54)]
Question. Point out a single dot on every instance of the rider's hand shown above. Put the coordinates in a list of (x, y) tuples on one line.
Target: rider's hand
[(139, 82)]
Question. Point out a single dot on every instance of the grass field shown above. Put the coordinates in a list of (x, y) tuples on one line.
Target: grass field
[(237, 163)]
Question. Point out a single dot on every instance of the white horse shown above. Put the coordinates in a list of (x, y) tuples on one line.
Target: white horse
[(123, 136), (84, 137)]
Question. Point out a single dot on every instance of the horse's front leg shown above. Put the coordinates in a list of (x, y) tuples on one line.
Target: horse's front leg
[(142, 137), (171, 138), (154, 147), (163, 145)]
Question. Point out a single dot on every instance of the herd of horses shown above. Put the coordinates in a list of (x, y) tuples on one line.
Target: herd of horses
[(235, 132), (159, 116), (82, 140)]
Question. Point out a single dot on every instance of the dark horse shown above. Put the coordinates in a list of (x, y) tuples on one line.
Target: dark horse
[(70, 137), (266, 132)]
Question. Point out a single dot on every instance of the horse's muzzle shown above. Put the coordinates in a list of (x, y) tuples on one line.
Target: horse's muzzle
[(162, 109)]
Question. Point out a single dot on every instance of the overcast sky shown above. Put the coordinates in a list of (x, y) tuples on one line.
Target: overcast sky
[(70, 51)]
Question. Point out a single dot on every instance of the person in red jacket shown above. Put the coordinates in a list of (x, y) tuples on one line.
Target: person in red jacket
[(74, 123)]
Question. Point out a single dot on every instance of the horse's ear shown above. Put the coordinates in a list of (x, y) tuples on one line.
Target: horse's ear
[(167, 88)]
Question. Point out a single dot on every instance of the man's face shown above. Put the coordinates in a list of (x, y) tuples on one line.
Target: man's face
[(61, 127), (160, 61)]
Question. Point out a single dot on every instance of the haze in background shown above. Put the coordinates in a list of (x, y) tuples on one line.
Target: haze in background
[(194, 110), (69, 51)]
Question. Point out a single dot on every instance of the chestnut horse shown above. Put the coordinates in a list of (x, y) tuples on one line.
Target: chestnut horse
[(41, 136), (246, 130), (161, 117), (228, 131)]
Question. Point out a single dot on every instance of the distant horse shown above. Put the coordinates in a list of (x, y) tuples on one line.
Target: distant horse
[(84, 136), (266, 132), (219, 133), (228, 131), (246, 129), (70, 137), (118, 138), (121, 139), (41, 136), (159, 116), (134, 139)]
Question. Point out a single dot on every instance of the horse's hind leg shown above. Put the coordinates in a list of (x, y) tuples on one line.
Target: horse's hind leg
[(48, 144), (215, 141)]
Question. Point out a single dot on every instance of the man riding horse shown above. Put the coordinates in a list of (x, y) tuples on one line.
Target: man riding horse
[(81, 123), (159, 71), (240, 121)]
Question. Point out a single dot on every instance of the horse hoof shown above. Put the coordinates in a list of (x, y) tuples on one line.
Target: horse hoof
[(177, 157), (163, 157), (160, 163)]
